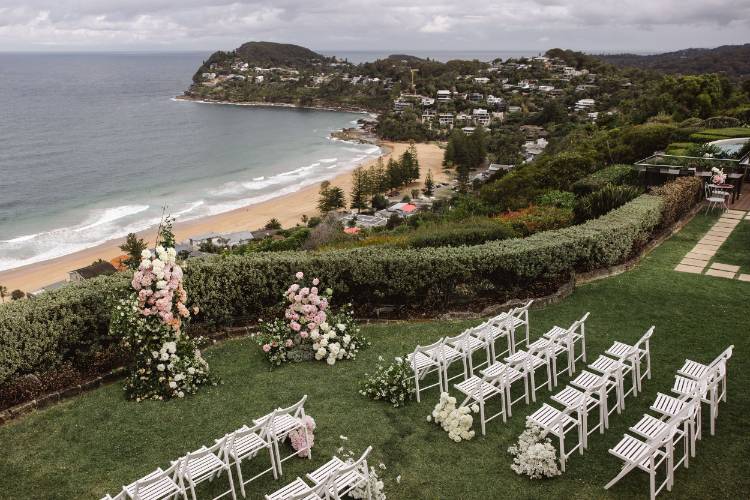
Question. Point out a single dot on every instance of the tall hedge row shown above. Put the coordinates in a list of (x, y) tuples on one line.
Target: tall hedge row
[(72, 322)]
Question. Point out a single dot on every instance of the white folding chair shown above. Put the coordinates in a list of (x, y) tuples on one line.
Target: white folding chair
[(299, 490), (511, 373), (715, 378), (246, 443), (647, 456), (621, 369), (558, 423), (120, 496), (482, 389), (636, 354), (587, 380), (425, 360), (282, 422), (341, 477), (203, 465), (461, 347), (583, 402), (528, 363), (566, 339), (492, 330), (156, 486)]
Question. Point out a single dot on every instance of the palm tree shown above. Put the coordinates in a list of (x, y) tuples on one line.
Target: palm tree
[(3, 293)]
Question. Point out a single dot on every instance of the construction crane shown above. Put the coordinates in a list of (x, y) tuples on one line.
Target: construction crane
[(413, 88)]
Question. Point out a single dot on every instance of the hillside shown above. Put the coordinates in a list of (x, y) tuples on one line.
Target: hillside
[(278, 54), (733, 60)]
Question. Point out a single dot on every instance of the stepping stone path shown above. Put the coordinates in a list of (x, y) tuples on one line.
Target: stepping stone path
[(697, 259)]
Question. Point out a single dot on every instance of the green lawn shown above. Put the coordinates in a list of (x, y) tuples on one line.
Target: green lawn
[(94, 443), (736, 249)]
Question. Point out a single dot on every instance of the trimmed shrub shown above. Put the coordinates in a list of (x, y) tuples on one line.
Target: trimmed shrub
[(616, 174), (536, 219), (603, 201), (679, 196), (559, 199), (71, 324)]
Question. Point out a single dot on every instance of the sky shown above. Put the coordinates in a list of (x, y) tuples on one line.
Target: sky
[(207, 25)]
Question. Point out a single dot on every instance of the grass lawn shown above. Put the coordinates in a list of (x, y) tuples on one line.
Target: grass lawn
[(712, 134), (736, 249), (90, 445)]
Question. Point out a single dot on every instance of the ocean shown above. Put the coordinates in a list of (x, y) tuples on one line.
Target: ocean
[(93, 146)]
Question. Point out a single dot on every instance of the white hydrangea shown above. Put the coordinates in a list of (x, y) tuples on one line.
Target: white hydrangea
[(457, 421), (534, 454)]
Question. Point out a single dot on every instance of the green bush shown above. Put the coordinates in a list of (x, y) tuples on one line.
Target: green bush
[(555, 198), (472, 231), (679, 196), (603, 201), (72, 323), (616, 174)]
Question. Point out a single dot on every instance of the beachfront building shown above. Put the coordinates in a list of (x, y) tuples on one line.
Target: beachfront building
[(428, 115), (403, 209), (481, 116), (101, 268), (584, 104), (446, 119), (227, 240), (400, 105), (443, 95)]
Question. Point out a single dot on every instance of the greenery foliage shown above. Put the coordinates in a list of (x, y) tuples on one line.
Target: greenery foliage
[(678, 197), (615, 174), (606, 199)]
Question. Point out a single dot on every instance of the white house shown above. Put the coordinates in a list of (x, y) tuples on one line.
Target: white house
[(584, 104), (482, 80), (428, 115), (481, 116), (546, 88), (443, 95), (446, 119), (428, 101)]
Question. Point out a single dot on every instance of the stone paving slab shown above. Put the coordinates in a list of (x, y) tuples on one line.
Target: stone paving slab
[(725, 267), (718, 240), (694, 262), (697, 256), (706, 246), (732, 211), (732, 216), (720, 274), (720, 225), (688, 269), (744, 277), (719, 231), (704, 251)]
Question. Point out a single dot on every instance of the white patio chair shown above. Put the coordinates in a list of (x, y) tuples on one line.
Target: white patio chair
[(462, 347), (528, 363), (425, 360), (715, 377), (156, 486), (558, 423), (203, 465), (583, 402), (716, 197), (647, 456), (281, 422), (607, 382), (120, 496), (511, 373), (567, 338), (621, 369), (246, 443), (299, 490), (340, 477), (482, 389), (493, 329), (553, 350), (636, 354)]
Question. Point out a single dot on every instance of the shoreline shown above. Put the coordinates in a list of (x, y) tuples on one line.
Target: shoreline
[(261, 104), (287, 208)]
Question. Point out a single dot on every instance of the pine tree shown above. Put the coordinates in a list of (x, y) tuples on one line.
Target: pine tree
[(414, 174), (393, 170), (429, 184), (331, 198), (359, 192), (133, 246)]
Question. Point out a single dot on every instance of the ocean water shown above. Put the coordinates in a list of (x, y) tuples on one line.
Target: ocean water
[(92, 146)]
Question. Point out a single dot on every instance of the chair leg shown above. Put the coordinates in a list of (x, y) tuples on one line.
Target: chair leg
[(231, 483), (481, 417), (562, 452), (242, 481), (416, 383)]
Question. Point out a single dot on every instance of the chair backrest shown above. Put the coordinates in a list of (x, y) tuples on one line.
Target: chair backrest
[(262, 429), (643, 342), (723, 357), (434, 351), (297, 409), (522, 312), (323, 490), (461, 341), (155, 477), (184, 461)]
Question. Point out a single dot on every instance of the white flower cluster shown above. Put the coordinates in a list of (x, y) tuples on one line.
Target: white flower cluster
[(456, 421), (393, 383), (375, 483), (535, 456), (333, 343)]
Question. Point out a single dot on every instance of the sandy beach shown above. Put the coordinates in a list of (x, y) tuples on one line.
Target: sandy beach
[(288, 209)]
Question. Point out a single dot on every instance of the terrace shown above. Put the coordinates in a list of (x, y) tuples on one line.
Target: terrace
[(96, 442)]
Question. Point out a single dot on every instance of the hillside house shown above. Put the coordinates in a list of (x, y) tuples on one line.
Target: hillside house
[(443, 95), (96, 269)]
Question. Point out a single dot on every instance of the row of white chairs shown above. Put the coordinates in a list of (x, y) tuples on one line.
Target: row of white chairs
[(332, 480), (679, 421), (591, 390), (498, 379), (186, 473), (439, 356)]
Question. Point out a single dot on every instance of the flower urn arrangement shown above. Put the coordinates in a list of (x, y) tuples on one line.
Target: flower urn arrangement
[(309, 328), (718, 176), (166, 362)]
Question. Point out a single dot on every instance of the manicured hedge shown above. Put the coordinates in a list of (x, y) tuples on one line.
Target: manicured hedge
[(679, 196), (71, 323), (615, 174)]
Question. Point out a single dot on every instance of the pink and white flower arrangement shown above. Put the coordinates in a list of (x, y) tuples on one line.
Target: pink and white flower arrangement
[(300, 439), (309, 329), (167, 363), (718, 177)]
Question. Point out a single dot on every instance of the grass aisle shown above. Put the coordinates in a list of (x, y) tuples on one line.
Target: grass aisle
[(94, 443)]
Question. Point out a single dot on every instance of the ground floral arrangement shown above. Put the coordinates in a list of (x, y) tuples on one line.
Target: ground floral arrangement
[(310, 329), (167, 363), (374, 480), (456, 421), (393, 383), (534, 454)]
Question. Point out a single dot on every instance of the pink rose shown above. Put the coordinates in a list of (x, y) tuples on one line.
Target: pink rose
[(266, 347), (299, 275), (289, 343), (316, 282), (303, 334), (295, 326)]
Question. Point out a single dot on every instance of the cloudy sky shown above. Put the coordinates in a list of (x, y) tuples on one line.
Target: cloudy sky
[(594, 25)]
